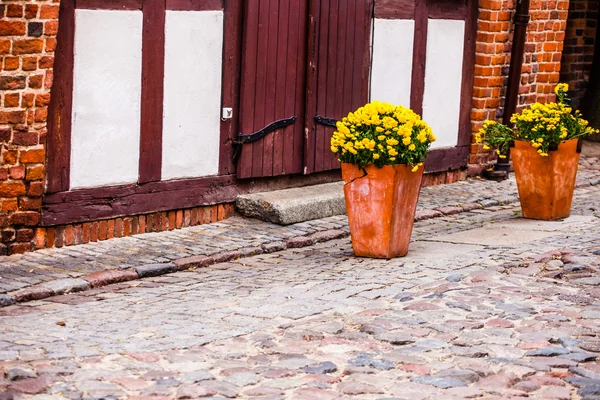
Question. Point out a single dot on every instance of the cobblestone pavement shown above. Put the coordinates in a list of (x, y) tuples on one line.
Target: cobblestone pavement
[(486, 305), (54, 271)]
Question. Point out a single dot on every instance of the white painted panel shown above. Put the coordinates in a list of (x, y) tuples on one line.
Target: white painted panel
[(443, 79), (105, 138), (392, 60), (193, 63)]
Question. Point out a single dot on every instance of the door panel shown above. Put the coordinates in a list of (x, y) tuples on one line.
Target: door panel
[(272, 86), (338, 73)]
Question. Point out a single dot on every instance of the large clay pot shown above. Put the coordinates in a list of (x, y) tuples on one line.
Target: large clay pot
[(546, 184), (381, 205)]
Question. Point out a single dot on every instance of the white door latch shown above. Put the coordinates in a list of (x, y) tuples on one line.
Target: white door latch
[(227, 113)]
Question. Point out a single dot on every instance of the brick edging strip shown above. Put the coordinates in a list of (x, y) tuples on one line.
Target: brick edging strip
[(107, 277)]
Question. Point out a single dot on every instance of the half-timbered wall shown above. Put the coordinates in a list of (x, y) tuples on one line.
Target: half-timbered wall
[(423, 58), (107, 86), (391, 71), (117, 105), (192, 94), (444, 80)]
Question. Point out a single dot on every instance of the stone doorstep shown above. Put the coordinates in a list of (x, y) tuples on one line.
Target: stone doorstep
[(290, 206), (327, 193)]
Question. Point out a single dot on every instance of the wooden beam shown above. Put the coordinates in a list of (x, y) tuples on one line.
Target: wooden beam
[(395, 9), (447, 159), (153, 75), (110, 202), (448, 9), (109, 4), (232, 61), (468, 74), (197, 5), (58, 146), (419, 57)]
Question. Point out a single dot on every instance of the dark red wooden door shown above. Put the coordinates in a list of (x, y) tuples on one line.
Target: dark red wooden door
[(273, 84), (338, 76)]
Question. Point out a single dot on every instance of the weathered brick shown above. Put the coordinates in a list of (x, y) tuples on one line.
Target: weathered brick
[(51, 28), (35, 82), (12, 117), (12, 82), (25, 235), (9, 205), (12, 28), (5, 134), (14, 10), (35, 172), (31, 10), (28, 46), (35, 189), (29, 63), (28, 204), (32, 156), (8, 235), (25, 138), (27, 218), (20, 248), (49, 11), (5, 46), (35, 29), (12, 189), (17, 172), (12, 99)]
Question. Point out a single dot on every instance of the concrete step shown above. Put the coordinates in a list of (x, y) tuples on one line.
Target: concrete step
[(290, 206)]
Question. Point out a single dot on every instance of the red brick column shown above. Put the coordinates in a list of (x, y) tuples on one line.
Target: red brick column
[(541, 66), (579, 47), (27, 42)]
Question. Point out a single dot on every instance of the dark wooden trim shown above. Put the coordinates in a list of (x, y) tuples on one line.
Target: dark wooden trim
[(448, 9), (395, 9), (367, 56), (198, 5), (110, 202), (58, 145), (311, 86), (109, 4), (466, 96), (447, 159), (419, 57), (153, 76), (232, 63)]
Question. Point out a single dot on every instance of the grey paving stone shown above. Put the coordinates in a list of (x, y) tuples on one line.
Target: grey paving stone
[(5, 300), (150, 270), (440, 382), (547, 352), (68, 285), (326, 367)]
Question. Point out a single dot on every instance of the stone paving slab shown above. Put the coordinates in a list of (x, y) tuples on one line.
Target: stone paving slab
[(446, 322), (26, 277)]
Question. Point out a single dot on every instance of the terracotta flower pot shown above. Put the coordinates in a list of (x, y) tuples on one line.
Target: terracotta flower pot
[(381, 207), (545, 184)]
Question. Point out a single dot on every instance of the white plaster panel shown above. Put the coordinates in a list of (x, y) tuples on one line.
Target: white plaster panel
[(443, 79), (192, 102), (105, 137), (392, 60)]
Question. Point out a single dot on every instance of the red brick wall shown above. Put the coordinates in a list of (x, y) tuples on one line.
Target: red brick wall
[(579, 47), (27, 41), (541, 66), (93, 231)]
